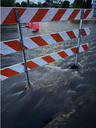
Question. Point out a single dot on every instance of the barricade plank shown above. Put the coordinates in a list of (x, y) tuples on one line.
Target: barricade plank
[(42, 14), (13, 46), (37, 62)]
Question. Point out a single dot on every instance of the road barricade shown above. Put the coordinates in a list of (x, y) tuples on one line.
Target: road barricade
[(27, 15)]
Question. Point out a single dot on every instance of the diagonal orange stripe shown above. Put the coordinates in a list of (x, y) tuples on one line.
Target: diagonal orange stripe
[(15, 44), (74, 50), (57, 37), (39, 41), (48, 59), (39, 15), (85, 47), (63, 54), (9, 72), (74, 14), (71, 34), (86, 13), (59, 14), (31, 64), (11, 18), (83, 33)]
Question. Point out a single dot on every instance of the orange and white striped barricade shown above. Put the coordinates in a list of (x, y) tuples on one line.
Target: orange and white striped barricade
[(26, 15)]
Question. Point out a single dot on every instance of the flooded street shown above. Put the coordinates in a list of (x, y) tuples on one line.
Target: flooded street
[(10, 32), (58, 97)]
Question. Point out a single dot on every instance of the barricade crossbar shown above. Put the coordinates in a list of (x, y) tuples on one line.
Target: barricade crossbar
[(12, 46), (42, 14), (37, 62)]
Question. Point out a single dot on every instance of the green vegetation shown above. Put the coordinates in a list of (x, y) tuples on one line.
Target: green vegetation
[(77, 4), (65, 4), (8, 3), (88, 3), (81, 4), (23, 4), (17, 4)]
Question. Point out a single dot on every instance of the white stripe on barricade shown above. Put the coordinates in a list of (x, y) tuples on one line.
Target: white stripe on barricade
[(34, 63), (13, 46), (42, 15)]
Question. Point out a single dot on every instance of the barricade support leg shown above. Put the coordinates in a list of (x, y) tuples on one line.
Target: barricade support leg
[(22, 45), (75, 65)]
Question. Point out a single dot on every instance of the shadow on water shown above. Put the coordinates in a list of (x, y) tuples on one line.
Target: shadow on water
[(78, 21), (84, 21)]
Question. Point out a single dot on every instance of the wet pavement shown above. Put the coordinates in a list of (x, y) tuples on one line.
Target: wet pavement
[(58, 97), (10, 32)]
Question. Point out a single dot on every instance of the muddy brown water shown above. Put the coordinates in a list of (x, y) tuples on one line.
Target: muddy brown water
[(56, 93)]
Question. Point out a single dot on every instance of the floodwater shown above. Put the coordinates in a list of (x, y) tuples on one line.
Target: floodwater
[(45, 28), (58, 97)]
